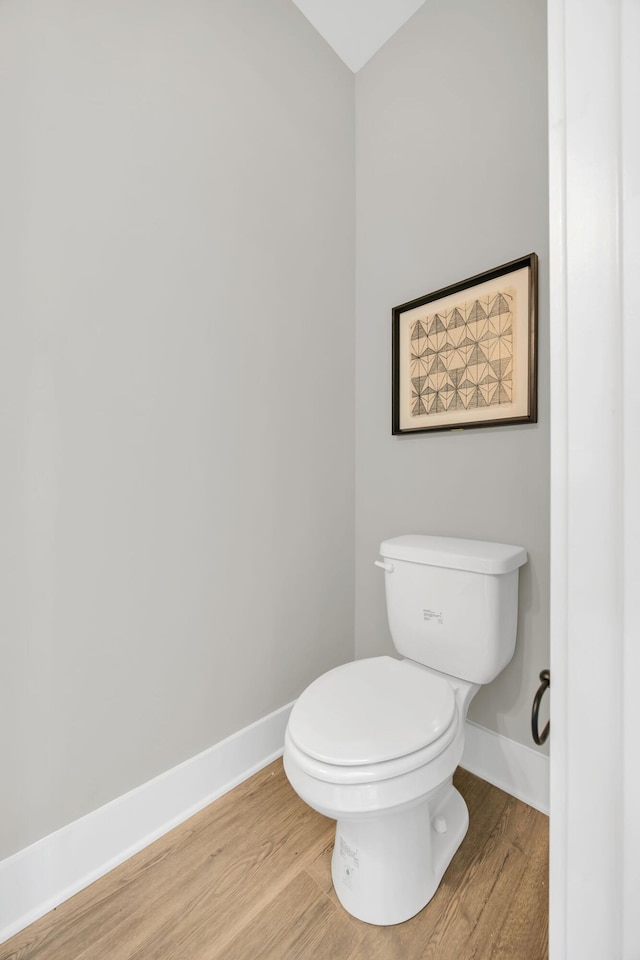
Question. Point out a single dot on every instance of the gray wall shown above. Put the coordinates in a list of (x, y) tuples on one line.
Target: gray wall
[(176, 386), (451, 180), (177, 355)]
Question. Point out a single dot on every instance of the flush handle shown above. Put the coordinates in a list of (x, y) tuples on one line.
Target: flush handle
[(545, 683), (389, 567)]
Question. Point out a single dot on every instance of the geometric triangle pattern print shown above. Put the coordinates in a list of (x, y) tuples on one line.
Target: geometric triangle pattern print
[(462, 357)]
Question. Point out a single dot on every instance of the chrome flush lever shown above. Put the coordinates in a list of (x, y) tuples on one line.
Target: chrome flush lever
[(389, 567)]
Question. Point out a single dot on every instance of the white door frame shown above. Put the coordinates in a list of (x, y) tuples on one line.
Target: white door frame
[(594, 146)]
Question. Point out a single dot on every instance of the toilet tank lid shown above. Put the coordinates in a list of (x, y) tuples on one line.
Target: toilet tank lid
[(478, 556)]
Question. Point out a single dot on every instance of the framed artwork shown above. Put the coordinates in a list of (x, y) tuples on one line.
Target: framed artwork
[(466, 356)]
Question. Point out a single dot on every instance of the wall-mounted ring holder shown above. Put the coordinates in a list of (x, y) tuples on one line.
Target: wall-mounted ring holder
[(540, 738)]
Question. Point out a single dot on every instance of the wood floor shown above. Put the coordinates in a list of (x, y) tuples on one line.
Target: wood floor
[(248, 878)]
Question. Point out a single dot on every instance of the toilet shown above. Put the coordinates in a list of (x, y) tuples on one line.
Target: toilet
[(374, 744)]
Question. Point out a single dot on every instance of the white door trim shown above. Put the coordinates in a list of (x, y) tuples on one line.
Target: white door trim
[(630, 228), (594, 91)]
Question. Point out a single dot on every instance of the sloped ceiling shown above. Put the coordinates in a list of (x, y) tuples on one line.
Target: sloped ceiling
[(356, 29)]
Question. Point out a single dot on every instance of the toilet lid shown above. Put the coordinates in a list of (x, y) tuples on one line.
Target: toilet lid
[(370, 711)]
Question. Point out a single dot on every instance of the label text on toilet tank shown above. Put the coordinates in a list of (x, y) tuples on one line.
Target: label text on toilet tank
[(433, 616)]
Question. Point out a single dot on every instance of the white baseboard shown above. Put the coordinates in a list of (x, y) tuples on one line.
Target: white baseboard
[(514, 768), (43, 875)]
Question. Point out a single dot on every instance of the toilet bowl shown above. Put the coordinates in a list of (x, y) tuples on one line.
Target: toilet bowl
[(374, 744), (399, 817)]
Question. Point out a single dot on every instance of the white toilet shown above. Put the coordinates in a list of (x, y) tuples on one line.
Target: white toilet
[(374, 744)]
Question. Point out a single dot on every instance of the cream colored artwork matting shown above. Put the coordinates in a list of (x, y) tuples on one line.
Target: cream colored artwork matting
[(465, 356)]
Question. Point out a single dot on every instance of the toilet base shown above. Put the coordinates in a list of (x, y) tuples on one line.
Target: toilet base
[(386, 868)]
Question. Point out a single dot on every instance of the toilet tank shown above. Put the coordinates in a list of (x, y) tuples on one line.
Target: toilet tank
[(453, 604)]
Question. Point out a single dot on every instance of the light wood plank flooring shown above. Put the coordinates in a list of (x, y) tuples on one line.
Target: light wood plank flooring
[(248, 878)]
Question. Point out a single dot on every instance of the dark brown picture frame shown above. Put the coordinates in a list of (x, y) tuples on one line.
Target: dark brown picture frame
[(465, 356)]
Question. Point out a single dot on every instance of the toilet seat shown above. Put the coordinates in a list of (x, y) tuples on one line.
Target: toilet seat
[(367, 773), (371, 720)]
